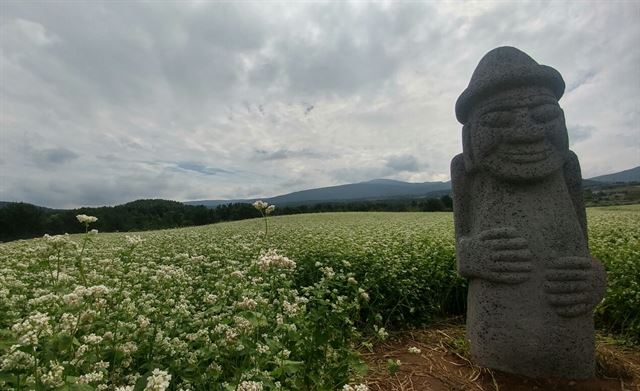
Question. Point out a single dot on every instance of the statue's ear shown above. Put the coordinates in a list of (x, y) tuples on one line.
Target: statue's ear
[(467, 153)]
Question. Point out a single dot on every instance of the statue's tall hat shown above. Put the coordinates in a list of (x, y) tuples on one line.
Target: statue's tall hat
[(503, 68)]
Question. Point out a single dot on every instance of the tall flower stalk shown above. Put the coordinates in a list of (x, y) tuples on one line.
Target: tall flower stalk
[(86, 220), (265, 210)]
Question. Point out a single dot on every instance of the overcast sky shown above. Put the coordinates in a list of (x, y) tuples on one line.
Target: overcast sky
[(106, 102)]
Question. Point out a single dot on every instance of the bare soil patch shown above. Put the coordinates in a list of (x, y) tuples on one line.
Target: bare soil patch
[(443, 364)]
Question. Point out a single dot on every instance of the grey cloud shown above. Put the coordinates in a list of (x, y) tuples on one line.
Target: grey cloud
[(177, 92), (139, 52), (362, 172), (578, 133), (201, 168), (245, 192), (110, 187), (53, 156), (403, 163), (582, 79), (308, 109), (262, 154), (285, 153), (63, 192), (341, 51)]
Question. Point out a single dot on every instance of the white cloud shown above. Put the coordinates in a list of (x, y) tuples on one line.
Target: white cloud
[(106, 102)]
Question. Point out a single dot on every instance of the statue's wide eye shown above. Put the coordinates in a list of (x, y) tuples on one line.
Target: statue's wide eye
[(545, 113), (497, 119)]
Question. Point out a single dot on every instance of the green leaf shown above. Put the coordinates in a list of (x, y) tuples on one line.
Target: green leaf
[(142, 382), (71, 385), (290, 367), (360, 367)]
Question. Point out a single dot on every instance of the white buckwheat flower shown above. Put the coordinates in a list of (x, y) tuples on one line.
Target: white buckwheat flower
[(382, 333), (84, 219), (158, 381), (246, 303), (16, 360), (53, 378), (260, 205), (133, 240), (250, 386), (358, 387), (414, 350), (143, 321), (92, 339), (30, 329), (363, 294), (90, 378), (271, 259)]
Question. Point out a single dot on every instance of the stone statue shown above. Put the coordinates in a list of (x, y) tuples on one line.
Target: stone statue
[(521, 229)]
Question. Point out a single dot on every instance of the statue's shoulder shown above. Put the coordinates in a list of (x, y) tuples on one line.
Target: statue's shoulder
[(572, 164), (572, 172), (457, 168)]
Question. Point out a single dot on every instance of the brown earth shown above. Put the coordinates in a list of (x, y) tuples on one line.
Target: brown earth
[(443, 365)]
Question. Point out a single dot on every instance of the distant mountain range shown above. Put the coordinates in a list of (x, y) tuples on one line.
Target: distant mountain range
[(630, 175), (381, 189), (376, 189), (386, 189)]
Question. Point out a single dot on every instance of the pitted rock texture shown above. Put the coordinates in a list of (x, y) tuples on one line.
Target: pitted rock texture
[(521, 230)]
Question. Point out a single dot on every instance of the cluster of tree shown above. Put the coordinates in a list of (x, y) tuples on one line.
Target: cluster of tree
[(20, 220), (612, 194), (441, 204)]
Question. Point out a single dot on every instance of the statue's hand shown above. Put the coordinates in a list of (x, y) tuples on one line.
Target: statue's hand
[(572, 285), (498, 255)]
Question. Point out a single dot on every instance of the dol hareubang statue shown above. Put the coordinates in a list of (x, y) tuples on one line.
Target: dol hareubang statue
[(521, 230)]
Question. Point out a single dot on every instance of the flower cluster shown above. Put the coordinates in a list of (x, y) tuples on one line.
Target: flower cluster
[(84, 219), (250, 386), (414, 350), (133, 240), (357, 387), (271, 259), (158, 381), (264, 207), (32, 328)]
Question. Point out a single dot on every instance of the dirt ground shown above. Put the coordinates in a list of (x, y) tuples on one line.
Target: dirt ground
[(443, 365)]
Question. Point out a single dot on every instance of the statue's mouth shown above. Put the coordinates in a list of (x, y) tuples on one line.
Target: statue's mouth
[(528, 154)]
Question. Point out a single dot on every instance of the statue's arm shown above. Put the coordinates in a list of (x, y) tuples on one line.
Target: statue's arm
[(500, 254), (460, 218), (458, 179), (576, 285), (573, 178)]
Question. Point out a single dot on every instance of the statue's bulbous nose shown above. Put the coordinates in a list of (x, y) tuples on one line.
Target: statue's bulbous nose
[(525, 129)]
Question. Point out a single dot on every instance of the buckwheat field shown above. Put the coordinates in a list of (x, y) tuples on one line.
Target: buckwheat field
[(235, 306)]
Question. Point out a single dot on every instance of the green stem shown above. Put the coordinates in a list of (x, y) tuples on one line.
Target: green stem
[(57, 267), (50, 271), (35, 368), (152, 342), (83, 277), (76, 328), (266, 228), (125, 271)]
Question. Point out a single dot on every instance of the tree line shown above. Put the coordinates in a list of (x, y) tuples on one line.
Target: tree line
[(442, 204), (22, 220)]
